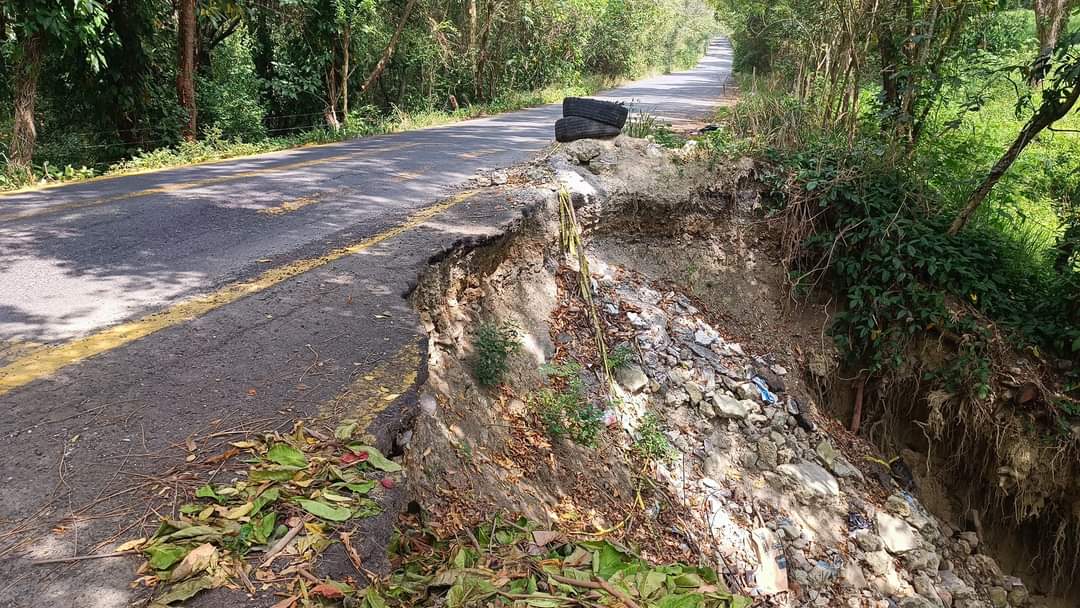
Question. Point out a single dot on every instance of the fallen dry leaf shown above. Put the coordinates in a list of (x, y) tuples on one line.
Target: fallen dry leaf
[(201, 558)]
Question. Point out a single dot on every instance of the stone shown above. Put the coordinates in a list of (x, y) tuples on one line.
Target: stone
[(631, 377), (971, 538), (895, 533), (694, 391), (921, 559), (915, 601), (842, 468), (810, 478), (729, 407), (878, 562), (745, 390), (867, 540), (1018, 596), (954, 586), (767, 455), (924, 586), (999, 598), (704, 338), (826, 452), (898, 505)]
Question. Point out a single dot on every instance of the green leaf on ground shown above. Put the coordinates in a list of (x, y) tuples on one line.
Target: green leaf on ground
[(376, 459), (260, 475), (360, 488), (163, 555), (345, 430), (286, 455), (207, 492), (267, 497), (183, 591), (323, 510)]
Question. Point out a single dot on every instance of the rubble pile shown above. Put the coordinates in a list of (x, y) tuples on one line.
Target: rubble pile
[(770, 483)]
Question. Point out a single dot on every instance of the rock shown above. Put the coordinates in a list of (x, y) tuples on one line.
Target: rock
[(704, 338), (826, 452), (896, 534), (842, 468), (1018, 596), (921, 559), (971, 538), (810, 478), (694, 391), (767, 455), (898, 505), (924, 586), (584, 150), (631, 377), (878, 562), (729, 407), (714, 467), (952, 585), (745, 390), (867, 540), (517, 407), (986, 568), (999, 598), (915, 601)]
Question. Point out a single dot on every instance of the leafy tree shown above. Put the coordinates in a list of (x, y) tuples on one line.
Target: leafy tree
[(37, 25)]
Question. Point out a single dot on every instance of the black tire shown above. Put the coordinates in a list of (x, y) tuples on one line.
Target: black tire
[(607, 112), (573, 128)]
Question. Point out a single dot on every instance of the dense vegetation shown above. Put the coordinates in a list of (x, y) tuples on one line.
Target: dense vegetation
[(147, 83), (925, 157)]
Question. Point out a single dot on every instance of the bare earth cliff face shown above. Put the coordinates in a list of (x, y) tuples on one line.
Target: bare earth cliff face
[(713, 443)]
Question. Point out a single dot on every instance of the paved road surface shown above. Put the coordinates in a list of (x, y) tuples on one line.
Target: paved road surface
[(227, 297)]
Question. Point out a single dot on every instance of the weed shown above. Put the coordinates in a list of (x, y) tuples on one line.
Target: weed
[(493, 345), (643, 124), (651, 442), (621, 356), (567, 412)]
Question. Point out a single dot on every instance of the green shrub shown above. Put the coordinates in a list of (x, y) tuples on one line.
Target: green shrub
[(620, 356), (493, 345), (567, 412), (651, 442)]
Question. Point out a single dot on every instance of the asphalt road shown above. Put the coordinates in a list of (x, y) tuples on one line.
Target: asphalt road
[(225, 298)]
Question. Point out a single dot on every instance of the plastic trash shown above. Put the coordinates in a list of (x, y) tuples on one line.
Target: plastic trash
[(763, 387)]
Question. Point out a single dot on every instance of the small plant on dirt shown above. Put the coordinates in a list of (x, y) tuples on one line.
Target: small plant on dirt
[(567, 412), (494, 344), (644, 124), (651, 442), (621, 356)]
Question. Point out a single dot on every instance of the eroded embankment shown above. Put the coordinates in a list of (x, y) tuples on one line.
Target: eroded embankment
[(708, 446)]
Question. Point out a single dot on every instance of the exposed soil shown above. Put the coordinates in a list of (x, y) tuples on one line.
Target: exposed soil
[(685, 269)]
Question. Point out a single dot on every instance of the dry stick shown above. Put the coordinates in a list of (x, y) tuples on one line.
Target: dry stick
[(79, 558), (284, 542), (856, 418), (597, 583)]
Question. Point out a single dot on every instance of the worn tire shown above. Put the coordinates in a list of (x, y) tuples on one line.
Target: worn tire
[(573, 128), (607, 112)]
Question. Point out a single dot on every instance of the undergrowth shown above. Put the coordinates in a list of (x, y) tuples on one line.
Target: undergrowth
[(565, 409), (651, 443), (861, 219), (493, 345)]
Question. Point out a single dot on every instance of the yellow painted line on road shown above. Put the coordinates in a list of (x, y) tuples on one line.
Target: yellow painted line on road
[(44, 363), (372, 392), (290, 206), (167, 188)]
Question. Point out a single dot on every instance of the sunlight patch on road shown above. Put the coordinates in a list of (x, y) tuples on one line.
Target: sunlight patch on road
[(169, 188), (45, 362)]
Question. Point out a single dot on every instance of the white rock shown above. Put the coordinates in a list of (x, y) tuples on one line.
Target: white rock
[(896, 534), (631, 377), (729, 407), (811, 478), (703, 337)]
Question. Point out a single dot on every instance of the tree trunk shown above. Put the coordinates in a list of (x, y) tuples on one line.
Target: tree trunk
[(332, 93), (185, 73), (346, 41), (23, 132), (388, 52), (1050, 19), (1049, 112)]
